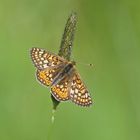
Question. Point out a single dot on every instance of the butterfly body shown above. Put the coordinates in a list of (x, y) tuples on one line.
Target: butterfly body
[(65, 72), (61, 76)]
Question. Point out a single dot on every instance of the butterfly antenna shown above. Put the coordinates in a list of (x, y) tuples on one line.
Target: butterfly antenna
[(90, 64), (85, 64)]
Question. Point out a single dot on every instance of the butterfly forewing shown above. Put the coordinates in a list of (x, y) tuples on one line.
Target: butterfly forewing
[(43, 59), (79, 93)]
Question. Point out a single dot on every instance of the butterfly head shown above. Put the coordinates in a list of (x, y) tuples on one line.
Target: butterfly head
[(73, 63)]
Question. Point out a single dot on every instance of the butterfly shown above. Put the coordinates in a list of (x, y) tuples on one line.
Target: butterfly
[(61, 76)]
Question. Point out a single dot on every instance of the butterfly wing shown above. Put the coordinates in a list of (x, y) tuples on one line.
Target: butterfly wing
[(47, 76), (48, 65), (60, 91), (43, 59), (78, 92)]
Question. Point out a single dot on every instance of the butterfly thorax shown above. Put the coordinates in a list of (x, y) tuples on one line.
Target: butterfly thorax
[(67, 71), (68, 67)]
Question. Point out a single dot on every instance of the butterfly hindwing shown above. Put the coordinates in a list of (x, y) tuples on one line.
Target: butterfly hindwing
[(47, 76), (61, 90)]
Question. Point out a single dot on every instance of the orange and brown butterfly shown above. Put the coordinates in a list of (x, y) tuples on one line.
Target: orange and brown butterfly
[(61, 76)]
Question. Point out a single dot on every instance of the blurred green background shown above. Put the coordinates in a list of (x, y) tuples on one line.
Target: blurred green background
[(107, 35)]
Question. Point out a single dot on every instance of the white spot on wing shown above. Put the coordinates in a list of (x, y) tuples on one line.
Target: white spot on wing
[(76, 90), (45, 65), (45, 61)]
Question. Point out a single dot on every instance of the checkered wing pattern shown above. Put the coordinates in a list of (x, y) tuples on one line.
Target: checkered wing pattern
[(47, 76), (61, 90), (43, 59), (78, 92)]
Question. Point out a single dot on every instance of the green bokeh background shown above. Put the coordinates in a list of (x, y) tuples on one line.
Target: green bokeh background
[(107, 35)]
